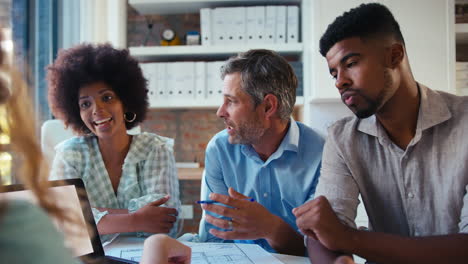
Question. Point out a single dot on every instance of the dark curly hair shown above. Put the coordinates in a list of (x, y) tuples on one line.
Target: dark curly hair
[(85, 64), (365, 21)]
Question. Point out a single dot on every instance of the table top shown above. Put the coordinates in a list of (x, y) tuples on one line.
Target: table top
[(137, 242)]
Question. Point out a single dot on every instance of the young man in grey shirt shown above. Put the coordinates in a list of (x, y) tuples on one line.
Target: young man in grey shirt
[(405, 153)]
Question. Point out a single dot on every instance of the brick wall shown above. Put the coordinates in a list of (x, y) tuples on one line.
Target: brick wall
[(190, 128)]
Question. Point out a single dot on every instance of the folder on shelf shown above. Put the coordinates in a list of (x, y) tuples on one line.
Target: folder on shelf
[(200, 81), (239, 24), (270, 25), (145, 70), (280, 24), (183, 79), (218, 26), (292, 24), (161, 82), (206, 26), (152, 84), (170, 90), (259, 25), (149, 75), (251, 24), (214, 81), (229, 16)]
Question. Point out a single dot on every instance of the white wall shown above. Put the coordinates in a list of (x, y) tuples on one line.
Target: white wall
[(323, 114)]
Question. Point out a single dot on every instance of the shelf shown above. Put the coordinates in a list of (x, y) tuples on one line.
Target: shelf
[(168, 7), (198, 52), (200, 103), (461, 33)]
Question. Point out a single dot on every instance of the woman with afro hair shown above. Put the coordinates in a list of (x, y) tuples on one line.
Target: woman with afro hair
[(131, 180)]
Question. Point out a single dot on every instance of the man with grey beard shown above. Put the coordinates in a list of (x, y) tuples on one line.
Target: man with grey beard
[(405, 153), (264, 163)]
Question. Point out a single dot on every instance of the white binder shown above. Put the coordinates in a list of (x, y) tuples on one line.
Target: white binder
[(219, 30), (171, 71), (269, 35), (206, 26), (251, 24), (152, 84), (229, 16), (161, 82), (292, 24), (280, 24), (189, 80), (148, 74), (239, 24), (215, 84), (259, 12), (200, 81), (183, 79)]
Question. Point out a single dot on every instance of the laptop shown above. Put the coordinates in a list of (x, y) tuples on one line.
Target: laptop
[(82, 237)]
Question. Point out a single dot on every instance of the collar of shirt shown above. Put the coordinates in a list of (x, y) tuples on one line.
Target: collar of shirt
[(290, 142), (139, 143), (433, 110)]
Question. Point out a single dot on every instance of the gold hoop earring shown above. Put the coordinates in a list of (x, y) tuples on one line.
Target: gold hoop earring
[(130, 120)]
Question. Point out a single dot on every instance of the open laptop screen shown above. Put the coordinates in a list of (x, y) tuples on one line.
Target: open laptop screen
[(81, 235)]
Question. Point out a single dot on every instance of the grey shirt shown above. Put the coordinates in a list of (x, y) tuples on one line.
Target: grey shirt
[(419, 191)]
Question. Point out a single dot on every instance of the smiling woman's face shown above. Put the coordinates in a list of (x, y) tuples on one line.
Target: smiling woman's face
[(101, 110)]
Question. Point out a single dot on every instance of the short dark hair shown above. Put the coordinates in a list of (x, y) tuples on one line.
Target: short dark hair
[(85, 64), (365, 21), (265, 72)]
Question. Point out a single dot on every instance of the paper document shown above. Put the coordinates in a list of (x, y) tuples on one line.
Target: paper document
[(202, 253), (126, 247), (227, 253)]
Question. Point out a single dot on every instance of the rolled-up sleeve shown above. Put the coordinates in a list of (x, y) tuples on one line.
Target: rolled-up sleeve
[(337, 184), (158, 179)]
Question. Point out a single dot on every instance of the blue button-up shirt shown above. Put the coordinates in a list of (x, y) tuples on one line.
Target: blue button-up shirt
[(286, 180)]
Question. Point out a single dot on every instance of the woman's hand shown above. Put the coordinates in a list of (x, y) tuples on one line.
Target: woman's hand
[(152, 218)]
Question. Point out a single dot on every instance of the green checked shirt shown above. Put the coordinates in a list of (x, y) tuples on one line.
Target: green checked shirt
[(148, 173)]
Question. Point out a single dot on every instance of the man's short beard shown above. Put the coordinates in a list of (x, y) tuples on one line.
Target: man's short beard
[(375, 105), (248, 133), (369, 111), (250, 137)]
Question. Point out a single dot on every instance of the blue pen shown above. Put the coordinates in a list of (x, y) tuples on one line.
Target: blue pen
[(212, 202)]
